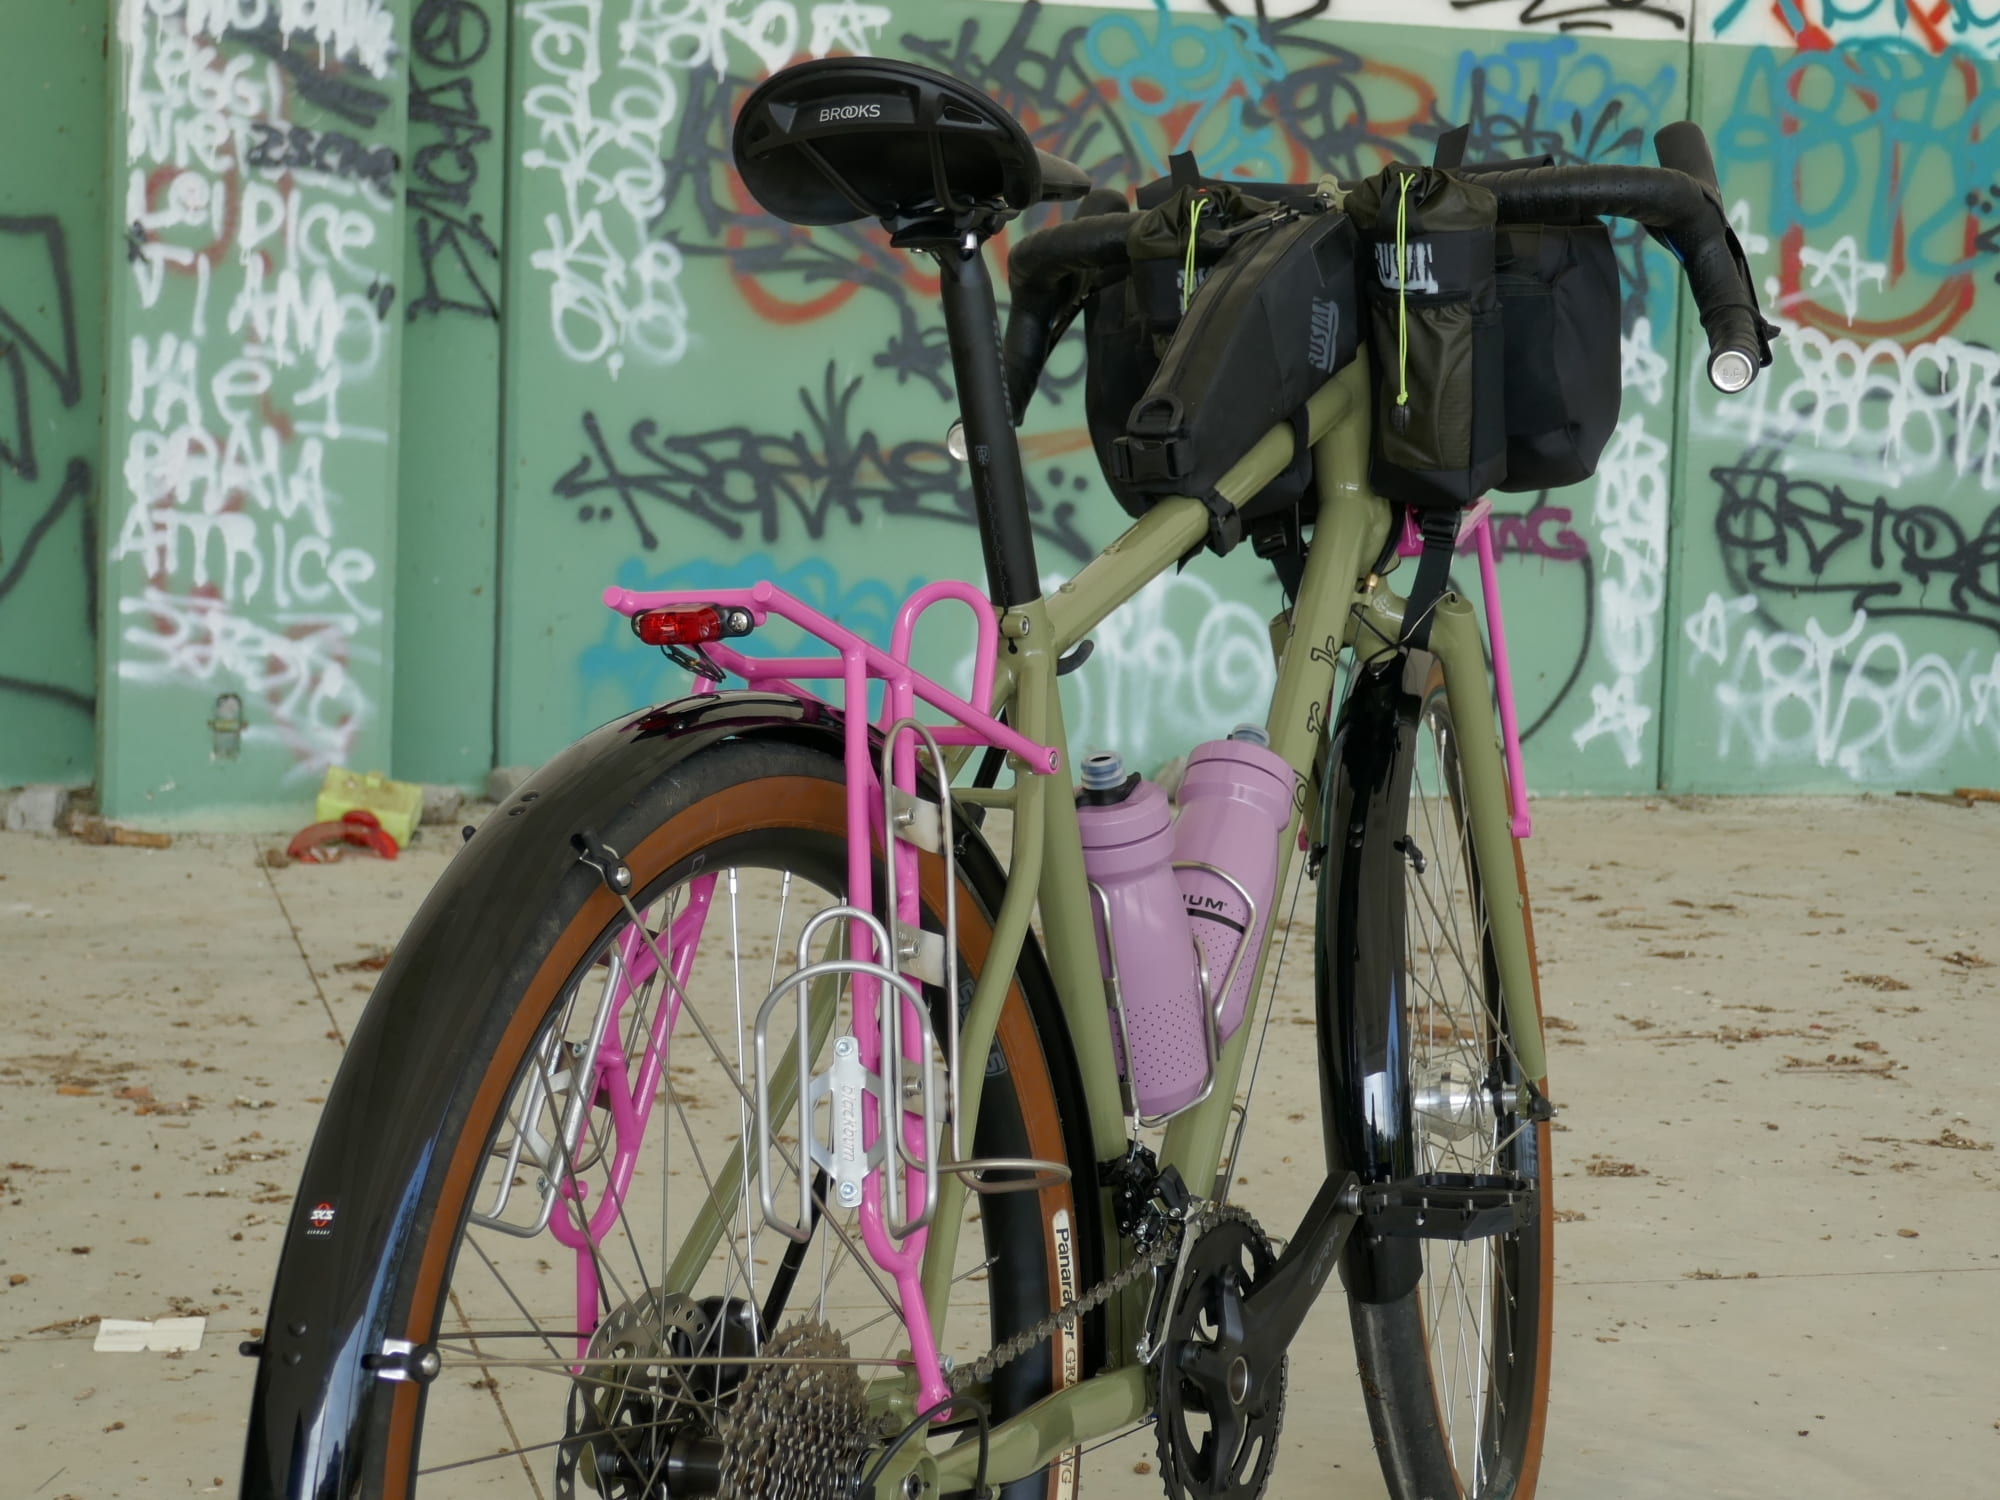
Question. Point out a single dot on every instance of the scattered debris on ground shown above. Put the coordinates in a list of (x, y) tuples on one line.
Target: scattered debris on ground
[(441, 804), (36, 809), (147, 1336), (1604, 1166), (95, 830), (1946, 1139), (324, 843), (1842, 1062)]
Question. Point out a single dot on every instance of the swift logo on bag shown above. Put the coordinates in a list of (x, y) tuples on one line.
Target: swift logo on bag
[(1324, 337), (1420, 273)]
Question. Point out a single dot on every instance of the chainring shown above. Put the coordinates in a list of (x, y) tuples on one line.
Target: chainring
[(620, 1415), (1217, 1438), (796, 1431)]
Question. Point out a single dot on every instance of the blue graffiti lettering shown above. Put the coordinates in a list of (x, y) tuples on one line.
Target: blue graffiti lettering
[(1215, 68)]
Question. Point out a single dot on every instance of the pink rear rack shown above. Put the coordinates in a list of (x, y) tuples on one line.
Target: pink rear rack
[(856, 663)]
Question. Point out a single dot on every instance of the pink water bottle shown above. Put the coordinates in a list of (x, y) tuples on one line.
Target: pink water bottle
[(1128, 851), (1236, 800)]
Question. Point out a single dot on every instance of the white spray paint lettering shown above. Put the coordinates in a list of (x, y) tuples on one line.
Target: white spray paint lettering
[(1890, 412), (1178, 662), (1857, 700), (601, 115), (250, 587), (1631, 514)]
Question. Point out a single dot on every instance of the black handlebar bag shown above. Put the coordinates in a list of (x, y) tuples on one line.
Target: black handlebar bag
[(1436, 335), (1559, 303), (1272, 321)]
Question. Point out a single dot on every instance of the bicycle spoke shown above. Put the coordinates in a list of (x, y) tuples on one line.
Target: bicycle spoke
[(1468, 1307)]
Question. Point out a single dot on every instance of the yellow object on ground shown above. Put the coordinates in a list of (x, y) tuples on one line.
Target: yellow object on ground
[(397, 805)]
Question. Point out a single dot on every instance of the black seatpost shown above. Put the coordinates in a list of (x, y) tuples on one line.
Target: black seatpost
[(999, 492)]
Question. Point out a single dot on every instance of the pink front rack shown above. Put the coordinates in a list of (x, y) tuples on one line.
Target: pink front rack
[(856, 663)]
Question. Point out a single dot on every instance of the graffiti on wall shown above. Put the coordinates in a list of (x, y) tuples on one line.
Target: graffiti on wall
[(605, 100), (1848, 506), (41, 364), (1859, 146), (755, 487), (1257, 92), (457, 250), (258, 249)]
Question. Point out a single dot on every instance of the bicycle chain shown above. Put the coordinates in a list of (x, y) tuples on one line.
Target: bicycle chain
[(1196, 1223)]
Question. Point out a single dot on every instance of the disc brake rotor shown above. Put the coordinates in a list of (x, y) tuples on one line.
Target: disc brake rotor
[(1218, 1429), (622, 1416)]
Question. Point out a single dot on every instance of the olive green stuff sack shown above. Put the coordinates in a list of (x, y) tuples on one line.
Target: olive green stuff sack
[(1435, 335)]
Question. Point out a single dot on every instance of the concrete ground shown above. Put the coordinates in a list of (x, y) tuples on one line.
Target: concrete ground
[(1774, 1027)]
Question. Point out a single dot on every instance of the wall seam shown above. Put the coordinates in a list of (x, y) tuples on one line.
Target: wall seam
[(1680, 490), (502, 391)]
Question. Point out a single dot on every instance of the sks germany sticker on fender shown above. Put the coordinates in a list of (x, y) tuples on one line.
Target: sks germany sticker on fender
[(319, 1220)]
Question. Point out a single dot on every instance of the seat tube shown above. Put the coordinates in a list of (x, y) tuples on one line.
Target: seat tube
[(999, 492)]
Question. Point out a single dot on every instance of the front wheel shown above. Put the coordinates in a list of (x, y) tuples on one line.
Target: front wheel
[(1454, 1367)]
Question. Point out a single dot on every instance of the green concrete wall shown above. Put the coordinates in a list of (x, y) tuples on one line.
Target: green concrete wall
[(251, 400), (450, 469), (1836, 565), (52, 259), (592, 359)]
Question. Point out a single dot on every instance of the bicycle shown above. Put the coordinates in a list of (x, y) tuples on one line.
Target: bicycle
[(1034, 1276)]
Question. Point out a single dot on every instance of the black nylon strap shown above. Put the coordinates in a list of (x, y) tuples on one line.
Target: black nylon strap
[(1450, 150), (1226, 521), (1225, 524), (1283, 545), (1440, 533)]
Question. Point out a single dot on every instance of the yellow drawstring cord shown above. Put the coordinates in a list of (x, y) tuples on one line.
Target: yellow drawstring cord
[(1187, 267), (1403, 300)]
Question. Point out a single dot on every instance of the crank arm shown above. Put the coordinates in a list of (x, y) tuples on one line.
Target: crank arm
[(1276, 1308)]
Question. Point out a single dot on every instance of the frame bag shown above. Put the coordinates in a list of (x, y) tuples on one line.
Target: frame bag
[(1268, 326)]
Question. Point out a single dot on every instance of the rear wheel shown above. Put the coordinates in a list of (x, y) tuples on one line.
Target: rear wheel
[(691, 1349), (1455, 1372)]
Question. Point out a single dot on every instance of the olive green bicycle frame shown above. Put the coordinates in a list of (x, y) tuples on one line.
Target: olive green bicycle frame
[(1342, 605)]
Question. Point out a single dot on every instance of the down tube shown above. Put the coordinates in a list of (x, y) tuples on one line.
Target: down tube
[(1455, 639), (1352, 528)]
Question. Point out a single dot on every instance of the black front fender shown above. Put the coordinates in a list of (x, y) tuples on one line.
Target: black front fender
[(1359, 961), (368, 1186)]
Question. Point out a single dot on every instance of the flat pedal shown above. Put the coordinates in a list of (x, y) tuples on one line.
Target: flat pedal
[(1448, 1206)]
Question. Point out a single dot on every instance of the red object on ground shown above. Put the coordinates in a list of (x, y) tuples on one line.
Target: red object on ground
[(359, 828)]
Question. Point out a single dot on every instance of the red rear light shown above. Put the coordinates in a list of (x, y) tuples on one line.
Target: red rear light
[(686, 626)]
